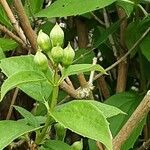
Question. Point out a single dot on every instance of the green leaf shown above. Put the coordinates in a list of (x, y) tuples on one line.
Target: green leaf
[(16, 64), (92, 145), (29, 117), (33, 6), (131, 36), (7, 44), (145, 47), (56, 145), (85, 119), (63, 8), (3, 17), (108, 110), (127, 102), (37, 90), (11, 130), (2, 55), (80, 68), (81, 58), (20, 78), (104, 33), (126, 5)]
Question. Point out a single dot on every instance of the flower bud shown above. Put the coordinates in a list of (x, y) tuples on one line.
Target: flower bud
[(57, 54), (41, 60), (57, 36), (77, 145), (43, 41), (68, 56)]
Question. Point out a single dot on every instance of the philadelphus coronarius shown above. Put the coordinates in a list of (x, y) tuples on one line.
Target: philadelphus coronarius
[(57, 36), (68, 55), (43, 41), (57, 54), (41, 60)]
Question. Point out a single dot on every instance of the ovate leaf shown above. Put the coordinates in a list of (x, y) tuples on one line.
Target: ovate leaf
[(37, 90), (7, 44), (104, 33), (29, 117), (85, 119), (33, 6), (80, 68), (145, 47), (63, 8), (11, 130), (20, 78), (56, 145), (2, 55), (3, 17)]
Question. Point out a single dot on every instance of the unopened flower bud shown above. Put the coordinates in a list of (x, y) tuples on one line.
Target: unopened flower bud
[(68, 56), (57, 54), (41, 60), (43, 41), (57, 36), (77, 145)]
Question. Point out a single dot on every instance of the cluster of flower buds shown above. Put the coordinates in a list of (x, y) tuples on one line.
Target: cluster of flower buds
[(52, 46)]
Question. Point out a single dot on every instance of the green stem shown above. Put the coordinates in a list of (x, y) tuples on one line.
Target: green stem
[(55, 91), (41, 136), (53, 103)]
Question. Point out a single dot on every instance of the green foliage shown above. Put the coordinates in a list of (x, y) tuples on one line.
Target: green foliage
[(38, 90), (45, 79), (20, 78), (10, 130), (29, 117), (63, 8), (7, 44), (92, 124), (127, 102), (55, 145), (3, 17), (79, 68)]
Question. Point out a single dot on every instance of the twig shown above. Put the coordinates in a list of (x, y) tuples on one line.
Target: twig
[(12, 35), (133, 121), (99, 146), (107, 24), (92, 72), (25, 23), (123, 66), (124, 57), (103, 87), (145, 145), (13, 20), (82, 32), (73, 93), (12, 103), (96, 18)]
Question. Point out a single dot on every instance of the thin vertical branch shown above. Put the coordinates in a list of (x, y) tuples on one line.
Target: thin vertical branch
[(123, 66), (25, 23), (82, 43), (13, 20), (12, 103), (107, 24)]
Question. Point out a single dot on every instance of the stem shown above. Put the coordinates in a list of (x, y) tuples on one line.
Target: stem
[(53, 103), (41, 136), (55, 90), (137, 116)]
